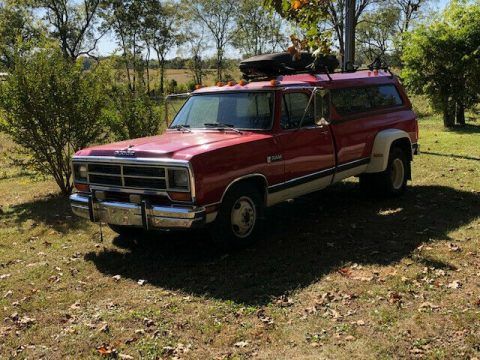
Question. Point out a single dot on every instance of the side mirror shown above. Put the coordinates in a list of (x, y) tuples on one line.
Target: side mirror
[(322, 106)]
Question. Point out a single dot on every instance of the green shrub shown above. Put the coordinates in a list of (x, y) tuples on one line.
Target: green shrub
[(52, 108), (134, 114)]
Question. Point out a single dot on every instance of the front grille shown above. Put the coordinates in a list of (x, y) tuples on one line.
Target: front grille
[(105, 180), (105, 169), (145, 183), (128, 176)]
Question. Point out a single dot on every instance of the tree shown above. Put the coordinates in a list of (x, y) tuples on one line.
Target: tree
[(72, 23), (124, 18), (52, 108), (336, 19), (219, 18), (160, 32), (310, 16), (18, 33), (376, 34), (195, 46), (409, 11), (257, 31), (442, 61)]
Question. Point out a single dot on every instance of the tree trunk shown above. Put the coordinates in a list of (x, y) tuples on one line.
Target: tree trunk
[(219, 62), (162, 74), (460, 113), (448, 116)]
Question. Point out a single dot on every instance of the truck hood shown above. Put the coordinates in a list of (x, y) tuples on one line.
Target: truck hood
[(174, 144)]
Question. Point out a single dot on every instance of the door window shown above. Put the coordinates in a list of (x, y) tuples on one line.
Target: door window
[(294, 107)]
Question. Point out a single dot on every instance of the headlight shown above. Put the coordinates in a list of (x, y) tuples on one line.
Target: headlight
[(178, 178), (80, 172)]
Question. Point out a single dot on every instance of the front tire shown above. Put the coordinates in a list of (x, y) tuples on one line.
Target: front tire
[(237, 223), (392, 181)]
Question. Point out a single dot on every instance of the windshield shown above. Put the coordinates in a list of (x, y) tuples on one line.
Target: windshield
[(241, 110)]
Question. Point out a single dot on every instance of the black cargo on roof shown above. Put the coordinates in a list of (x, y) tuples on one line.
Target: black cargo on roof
[(272, 65)]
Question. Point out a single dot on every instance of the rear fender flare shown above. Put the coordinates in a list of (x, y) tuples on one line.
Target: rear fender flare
[(381, 148)]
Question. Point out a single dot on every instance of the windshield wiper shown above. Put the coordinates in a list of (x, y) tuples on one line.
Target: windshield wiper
[(222, 126), (182, 128)]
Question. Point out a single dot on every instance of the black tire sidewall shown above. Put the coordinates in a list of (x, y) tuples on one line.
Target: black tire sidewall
[(395, 153), (221, 230)]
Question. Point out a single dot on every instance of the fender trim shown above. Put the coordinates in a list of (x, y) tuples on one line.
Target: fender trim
[(381, 148), (245, 177)]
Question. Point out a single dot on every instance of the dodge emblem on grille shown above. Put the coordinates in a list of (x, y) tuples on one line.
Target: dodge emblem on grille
[(125, 153)]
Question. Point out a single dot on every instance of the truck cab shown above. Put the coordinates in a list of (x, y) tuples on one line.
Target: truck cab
[(234, 149)]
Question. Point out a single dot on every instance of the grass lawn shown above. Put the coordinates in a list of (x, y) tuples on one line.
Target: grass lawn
[(336, 274)]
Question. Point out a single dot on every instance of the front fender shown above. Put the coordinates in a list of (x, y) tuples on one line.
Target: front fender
[(381, 148)]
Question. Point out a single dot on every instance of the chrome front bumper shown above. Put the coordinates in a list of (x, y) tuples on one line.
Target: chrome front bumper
[(139, 215)]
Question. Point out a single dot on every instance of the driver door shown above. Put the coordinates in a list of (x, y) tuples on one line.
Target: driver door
[(306, 143)]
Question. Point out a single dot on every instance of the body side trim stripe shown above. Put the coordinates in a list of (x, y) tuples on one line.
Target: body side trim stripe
[(352, 164), (301, 180), (318, 175)]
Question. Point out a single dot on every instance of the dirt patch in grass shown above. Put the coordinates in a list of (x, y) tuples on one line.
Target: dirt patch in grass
[(336, 273)]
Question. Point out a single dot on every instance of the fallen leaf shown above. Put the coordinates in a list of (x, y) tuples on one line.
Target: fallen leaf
[(106, 350), (345, 272), (350, 338), (116, 277), (5, 276), (104, 328), (141, 282), (241, 344), (395, 298), (455, 284), (125, 357), (148, 322), (284, 301), (75, 305), (428, 305), (453, 247)]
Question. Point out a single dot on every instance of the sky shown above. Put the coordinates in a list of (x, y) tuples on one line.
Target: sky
[(107, 45)]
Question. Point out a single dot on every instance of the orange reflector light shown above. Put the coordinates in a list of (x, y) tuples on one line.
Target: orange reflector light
[(198, 86), (242, 82), (220, 84), (82, 187), (375, 72), (180, 196), (231, 83), (274, 82)]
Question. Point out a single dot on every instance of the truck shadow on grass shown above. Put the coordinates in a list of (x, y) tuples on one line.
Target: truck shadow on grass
[(303, 241)]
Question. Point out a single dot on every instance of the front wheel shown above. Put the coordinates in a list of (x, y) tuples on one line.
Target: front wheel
[(237, 223), (392, 181)]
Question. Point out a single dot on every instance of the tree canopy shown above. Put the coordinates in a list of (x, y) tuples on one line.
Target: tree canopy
[(442, 60)]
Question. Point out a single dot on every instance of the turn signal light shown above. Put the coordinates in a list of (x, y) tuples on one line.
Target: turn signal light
[(180, 196), (220, 84), (82, 187), (242, 82), (231, 83)]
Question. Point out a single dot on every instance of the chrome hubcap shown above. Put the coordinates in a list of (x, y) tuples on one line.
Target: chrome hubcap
[(243, 217), (398, 173)]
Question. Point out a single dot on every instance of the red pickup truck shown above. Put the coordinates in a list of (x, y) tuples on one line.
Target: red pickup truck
[(234, 149)]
